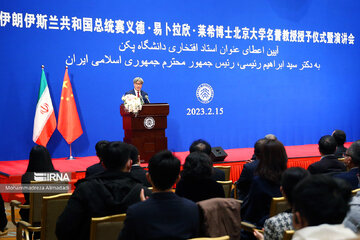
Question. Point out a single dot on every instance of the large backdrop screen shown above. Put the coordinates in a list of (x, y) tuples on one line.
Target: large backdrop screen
[(231, 71)]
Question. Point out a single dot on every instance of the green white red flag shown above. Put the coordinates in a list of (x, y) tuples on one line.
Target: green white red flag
[(45, 121)]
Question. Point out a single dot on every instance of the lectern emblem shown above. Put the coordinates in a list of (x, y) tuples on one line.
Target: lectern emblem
[(149, 122), (205, 93)]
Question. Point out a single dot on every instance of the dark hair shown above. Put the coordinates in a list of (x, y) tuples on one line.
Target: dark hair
[(164, 169), (116, 155), (354, 152), (290, 178), (273, 161), (200, 146), (40, 160), (99, 148), (322, 199), (258, 147), (134, 153), (340, 137), (197, 164), (327, 145)]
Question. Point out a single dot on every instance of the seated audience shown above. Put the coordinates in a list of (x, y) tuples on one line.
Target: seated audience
[(247, 173), (320, 206), (196, 183), (352, 161), (275, 226), (164, 215), (266, 183), (328, 162), (98, 167), (340, 138), (39, 162), (108, 193), (3, 219), (203, 146), (352, 219), (136, 170)]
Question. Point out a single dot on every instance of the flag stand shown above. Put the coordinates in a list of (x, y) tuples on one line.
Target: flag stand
[(70, 157)]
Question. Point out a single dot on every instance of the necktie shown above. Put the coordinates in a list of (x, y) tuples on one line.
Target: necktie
[(138, 94)]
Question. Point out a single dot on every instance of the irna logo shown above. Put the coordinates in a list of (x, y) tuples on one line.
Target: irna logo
[(52, 177)]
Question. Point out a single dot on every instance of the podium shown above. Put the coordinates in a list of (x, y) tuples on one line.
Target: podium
[(146, 130)]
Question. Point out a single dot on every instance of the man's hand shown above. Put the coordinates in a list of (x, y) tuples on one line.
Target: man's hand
[(142, 195)]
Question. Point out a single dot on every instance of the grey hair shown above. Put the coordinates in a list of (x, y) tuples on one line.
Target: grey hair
[(270, 137), (138, 79)]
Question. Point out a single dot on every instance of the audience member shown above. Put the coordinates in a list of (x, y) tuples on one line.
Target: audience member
[(39, 162), (203, 146), (247, 173), (352, 161), (352, 219), (136, 170), (98, 167), (340, 138), (164, 215), (3, 219), (328, 162), (320, 205), (108, 193), (196, 183), (266, 183), (275, 226)]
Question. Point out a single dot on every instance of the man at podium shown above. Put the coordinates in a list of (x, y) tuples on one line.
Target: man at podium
[(138, 82)]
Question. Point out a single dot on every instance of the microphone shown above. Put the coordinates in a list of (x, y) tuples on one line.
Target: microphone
[(147, 98)]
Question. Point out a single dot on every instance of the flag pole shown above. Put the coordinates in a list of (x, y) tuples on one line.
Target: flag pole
[(70, 157)]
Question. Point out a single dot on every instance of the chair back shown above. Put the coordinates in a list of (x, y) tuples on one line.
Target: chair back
[(36, 197), (278, 205), (288, 234), (355, 191), (227, 185), (108, 227), (52, 208), (226, 170), (210, 238)]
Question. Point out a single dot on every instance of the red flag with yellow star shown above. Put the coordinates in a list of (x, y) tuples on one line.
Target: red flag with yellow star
[(68, 122)]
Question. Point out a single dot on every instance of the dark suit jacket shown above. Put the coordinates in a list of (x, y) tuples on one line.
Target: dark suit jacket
[(350, 177), (339, 151), (327, 164), (218, 175), (163, 216), (143, 94), (3, 219), (140, 174), (245, 179), (198, 189), (256, 206), (94, 169)]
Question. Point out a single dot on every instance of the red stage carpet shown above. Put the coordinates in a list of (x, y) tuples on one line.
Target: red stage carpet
[(301, 156)]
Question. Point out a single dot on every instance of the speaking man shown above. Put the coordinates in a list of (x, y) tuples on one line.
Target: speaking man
[(138, 83)]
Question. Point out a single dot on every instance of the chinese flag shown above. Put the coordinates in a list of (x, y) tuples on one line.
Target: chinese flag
[(68, 123)]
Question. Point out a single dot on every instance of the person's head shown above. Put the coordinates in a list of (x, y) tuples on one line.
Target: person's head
[(258, 147), (289, 179), (134, 154), (39, 160), (340, 137), (138, 82), (320, 199), (327, 145), (270, 136), (197, 164), (164, 170), (200, 146), (273, 161), (99, 148), (117, 156), (352, 155)]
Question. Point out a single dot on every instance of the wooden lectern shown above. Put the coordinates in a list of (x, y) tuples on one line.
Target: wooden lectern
[(146, 130)]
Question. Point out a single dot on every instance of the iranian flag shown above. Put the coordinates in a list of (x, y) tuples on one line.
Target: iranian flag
[(45, 121)]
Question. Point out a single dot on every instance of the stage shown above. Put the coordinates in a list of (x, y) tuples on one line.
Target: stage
[(299, 156)]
